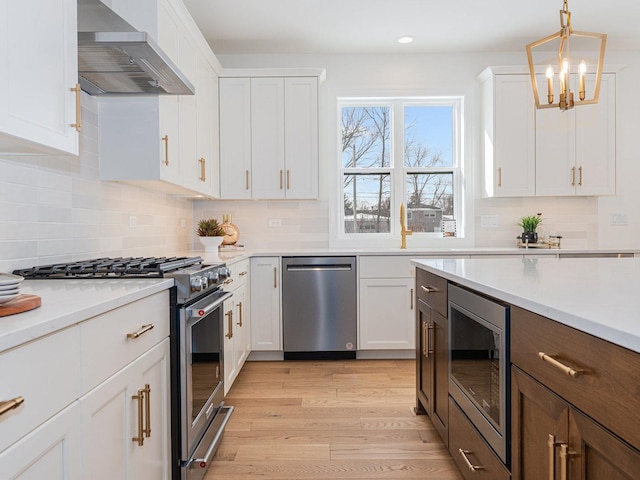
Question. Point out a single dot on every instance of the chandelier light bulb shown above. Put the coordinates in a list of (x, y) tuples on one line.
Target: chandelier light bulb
[(549, 75)]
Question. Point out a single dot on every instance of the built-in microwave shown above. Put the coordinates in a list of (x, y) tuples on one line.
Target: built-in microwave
[(479, 364)]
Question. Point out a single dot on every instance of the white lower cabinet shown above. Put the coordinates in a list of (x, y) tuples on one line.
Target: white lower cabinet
[(51, 451), (237, 322), (125, 421), (266, 324), (386, 314)]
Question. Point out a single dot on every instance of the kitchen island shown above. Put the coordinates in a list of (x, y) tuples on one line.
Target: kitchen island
[(568, 368)]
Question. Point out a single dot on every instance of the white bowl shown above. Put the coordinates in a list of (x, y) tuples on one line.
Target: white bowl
[(13, 286), (8, 279), (13, 291)]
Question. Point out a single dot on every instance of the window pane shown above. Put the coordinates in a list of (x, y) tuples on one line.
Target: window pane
[(429, 200), (367, 202), (366, 134), (428, 136)]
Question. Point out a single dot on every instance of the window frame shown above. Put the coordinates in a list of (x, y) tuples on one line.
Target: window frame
[(398, 171)]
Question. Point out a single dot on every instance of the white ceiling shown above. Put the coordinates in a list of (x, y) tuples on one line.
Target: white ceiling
[(373, 26)]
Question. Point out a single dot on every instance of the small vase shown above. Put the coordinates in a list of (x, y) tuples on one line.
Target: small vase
[(231, 232), (211, 244), (529, 237)]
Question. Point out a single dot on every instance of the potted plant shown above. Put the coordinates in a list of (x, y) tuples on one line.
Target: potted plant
[(529, 225), (210, 233)]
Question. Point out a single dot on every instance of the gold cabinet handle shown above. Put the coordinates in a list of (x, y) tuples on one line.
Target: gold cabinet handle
[(144, 329), (281, 179), (140, 398), (470, 466), (240, 314), (573, 176), (429, 289), (552, 444), (78, 124), (10, 404), (275, 277), (288, 179), (229, 315), (430, 328), (424, 340), (147, 403), (203, 175), (565, 453), (227, 281), (411, 299), (580, 176), (499, 176), (242, 274), (165, 139), (246, 179), (573, 373)]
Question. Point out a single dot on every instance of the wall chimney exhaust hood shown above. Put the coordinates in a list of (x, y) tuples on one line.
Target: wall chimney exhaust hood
[(116, 59)]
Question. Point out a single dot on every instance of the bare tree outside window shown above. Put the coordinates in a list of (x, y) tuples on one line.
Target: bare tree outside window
[(428, 168)]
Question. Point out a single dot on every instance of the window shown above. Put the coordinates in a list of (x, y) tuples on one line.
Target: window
[(399, 150)]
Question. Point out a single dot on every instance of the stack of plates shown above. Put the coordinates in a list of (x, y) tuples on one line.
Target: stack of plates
[(9, 287)]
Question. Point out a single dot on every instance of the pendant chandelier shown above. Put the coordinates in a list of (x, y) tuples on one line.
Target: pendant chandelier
[(558, 72)]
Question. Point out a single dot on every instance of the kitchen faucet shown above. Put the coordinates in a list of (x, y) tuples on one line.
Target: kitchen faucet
[(403, 228)]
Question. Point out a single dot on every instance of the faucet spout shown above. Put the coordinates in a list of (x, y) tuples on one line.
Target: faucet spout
[(403, 228)]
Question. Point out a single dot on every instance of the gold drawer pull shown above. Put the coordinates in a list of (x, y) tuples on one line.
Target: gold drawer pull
[(411, 299), (471, 466), (239, 314), (165, 139), (561, 366), (227, 281), (246, 179), (229, 315), (429, 289), (203, 174), (499, 176), (242, 274), (10, 404), (147, 403), (143, 330)]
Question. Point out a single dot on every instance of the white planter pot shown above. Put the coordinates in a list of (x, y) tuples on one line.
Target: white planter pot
[(211, 244)]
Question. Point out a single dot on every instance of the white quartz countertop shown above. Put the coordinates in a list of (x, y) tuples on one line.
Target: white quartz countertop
[(598, 296), (67, 302)]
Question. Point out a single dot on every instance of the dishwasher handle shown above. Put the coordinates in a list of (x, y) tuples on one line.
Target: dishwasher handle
[(320, 268)]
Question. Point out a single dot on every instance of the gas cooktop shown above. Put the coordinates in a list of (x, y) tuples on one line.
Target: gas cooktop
[(121, 267)]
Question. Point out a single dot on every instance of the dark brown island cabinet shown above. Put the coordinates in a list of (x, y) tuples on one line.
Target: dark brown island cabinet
[(432, 374), (575, 398), (575, 409)]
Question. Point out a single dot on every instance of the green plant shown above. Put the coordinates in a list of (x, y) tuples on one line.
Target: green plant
[(210, 228), (530, 222)]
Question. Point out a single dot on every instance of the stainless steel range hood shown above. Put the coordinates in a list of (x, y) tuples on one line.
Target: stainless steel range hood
[(116, 59)]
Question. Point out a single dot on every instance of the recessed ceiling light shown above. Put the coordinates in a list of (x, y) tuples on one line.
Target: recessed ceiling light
[(406, 39)]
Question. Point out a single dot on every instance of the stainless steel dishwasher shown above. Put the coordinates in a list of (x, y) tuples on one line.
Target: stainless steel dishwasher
[(319, 307)]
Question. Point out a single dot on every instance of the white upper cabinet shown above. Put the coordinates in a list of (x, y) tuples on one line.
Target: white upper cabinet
[(235, 138), (545, 152), (508, 135), (165, 143), (38, 108), (575, 149), (269, 137)]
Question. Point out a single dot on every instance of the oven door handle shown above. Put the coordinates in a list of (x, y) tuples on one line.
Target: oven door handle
[(208, 456), (198, 311)]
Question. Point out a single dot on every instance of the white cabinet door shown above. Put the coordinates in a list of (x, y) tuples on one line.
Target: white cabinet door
[(508, 136), (52, 451), (266, 324), (386, 314), (575, 149), (235, 138), (267, 138), (112, 417), (37, 105), (301, 137), (596, 141)]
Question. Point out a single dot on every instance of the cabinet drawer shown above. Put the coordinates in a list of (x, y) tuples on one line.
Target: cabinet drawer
[(394, 266), (606, 385), (106, 344), (239, 275), (463, 436), (432, 290), (46, 373)]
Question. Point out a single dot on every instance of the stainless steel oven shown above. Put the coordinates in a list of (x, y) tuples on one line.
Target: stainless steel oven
[(479, 364), (201, 366)]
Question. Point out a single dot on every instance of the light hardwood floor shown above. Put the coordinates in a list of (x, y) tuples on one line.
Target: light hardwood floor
[(329, 420)]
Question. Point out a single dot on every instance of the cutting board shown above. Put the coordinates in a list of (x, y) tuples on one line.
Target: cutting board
[(22, 303)]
